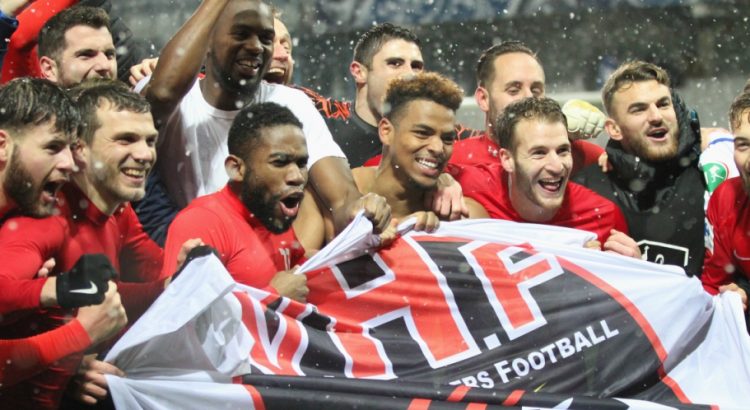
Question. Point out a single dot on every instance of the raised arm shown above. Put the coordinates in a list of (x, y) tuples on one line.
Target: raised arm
[(181, 60)]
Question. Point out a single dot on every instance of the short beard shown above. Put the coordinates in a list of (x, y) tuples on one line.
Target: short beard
[(252, 198), (228, 84), (20, 188), (646, 151)]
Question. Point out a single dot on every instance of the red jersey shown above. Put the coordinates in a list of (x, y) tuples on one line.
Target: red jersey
[(25, 243), (582, 208), (482, 150), (21, 359), (21, 59), (249, 251), (728, 250)]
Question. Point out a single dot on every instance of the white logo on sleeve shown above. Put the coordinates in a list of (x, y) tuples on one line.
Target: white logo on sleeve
[(91, 290)]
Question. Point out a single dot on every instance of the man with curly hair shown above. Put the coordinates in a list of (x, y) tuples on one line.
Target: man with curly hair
[(417, 130)]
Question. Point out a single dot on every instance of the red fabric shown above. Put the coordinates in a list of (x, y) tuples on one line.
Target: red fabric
[(251, 253), (482, 150), (728, 215), (581, 208), (79, 228), (475, 151), (21, 59), (21, 359)]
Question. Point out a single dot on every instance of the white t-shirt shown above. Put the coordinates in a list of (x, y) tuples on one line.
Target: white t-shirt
[(193, 142)]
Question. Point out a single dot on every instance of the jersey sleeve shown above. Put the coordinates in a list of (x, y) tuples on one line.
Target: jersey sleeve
[(25, 244), (620, 223), (21, 59), (585, 153), (717, 258), (21, 359)]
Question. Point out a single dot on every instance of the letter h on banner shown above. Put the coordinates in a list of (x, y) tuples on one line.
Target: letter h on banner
[(507, 283)]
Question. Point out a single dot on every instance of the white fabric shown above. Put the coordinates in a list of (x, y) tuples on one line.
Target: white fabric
[(194, 333), (193, 142)]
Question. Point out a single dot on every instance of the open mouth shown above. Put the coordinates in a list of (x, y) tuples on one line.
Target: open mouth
[(249, 67), (135, 173), (552, 186), (290, 203), (50, 190), (430, 166), (658, 134)]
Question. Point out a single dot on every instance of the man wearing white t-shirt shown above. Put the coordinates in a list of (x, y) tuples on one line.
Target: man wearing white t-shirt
[(193, 117)]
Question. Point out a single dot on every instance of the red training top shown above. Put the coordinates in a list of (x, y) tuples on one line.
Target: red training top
[(482, 150), (249, 251), (25, 243), (21, 59), (582, 208), (728, 217)]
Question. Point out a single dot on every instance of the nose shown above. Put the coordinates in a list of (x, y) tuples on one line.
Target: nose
[(526, 92), (555, 163), (280, 53), (65, 163), (143, 153), (296, 175), (436, 146), (102, 64), (654, 114), (253, 44)]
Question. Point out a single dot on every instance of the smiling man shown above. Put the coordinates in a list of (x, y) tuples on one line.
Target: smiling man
[(418, 132), (282, 63), (728, 215), (235, 39), (38, 122), (76, 45), (248, 221), (509, 72), (655, 180), (115, 151), (531, 182)]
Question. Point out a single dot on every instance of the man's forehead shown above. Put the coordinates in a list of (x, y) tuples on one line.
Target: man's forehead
[(72, 34), (743, 128), (516, 64), (538, 131), (398, 47), (641, 91), (425, 113), (240, 11)]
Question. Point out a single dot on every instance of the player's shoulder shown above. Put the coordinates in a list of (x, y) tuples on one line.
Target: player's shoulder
[(583, 198)]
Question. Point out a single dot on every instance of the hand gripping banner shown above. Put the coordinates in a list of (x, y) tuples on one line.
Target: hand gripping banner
[(480, 314)]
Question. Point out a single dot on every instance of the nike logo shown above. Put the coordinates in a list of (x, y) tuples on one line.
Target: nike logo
[(91, 290), (742, 258)]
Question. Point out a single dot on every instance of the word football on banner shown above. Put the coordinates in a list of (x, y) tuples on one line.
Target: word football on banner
[(488, 313)]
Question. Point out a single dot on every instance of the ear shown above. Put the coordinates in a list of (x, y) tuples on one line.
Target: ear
[(506, 160), (613, 129), (483, 99), (359, 72), (385, 131), (6, 147), (79, 151), (49, 68), (235, 168)]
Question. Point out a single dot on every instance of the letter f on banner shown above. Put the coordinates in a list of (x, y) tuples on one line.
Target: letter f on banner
[(507, 274)]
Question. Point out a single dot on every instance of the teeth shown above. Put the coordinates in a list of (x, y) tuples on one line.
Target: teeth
[(427, 163), (135, 173), (551, 184), (250, 63)]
